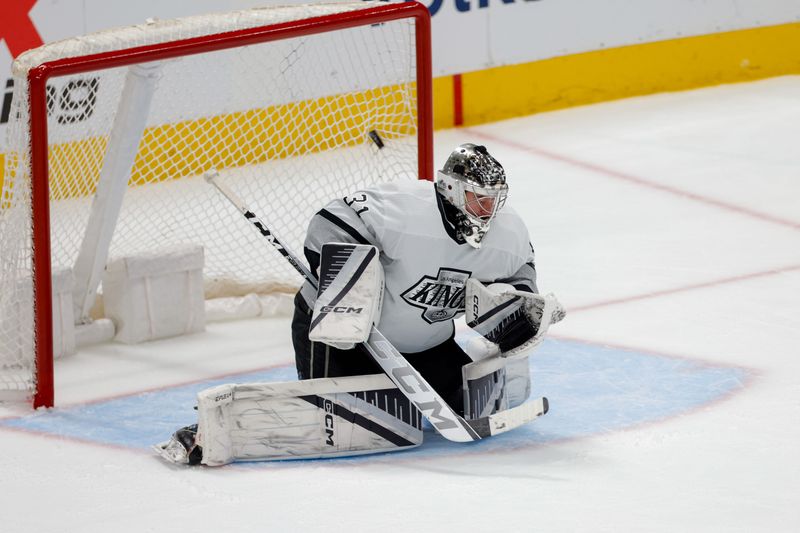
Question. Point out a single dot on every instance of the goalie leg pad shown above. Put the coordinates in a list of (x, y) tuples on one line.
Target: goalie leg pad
[(349, 296), (326, 417), (495, 384)]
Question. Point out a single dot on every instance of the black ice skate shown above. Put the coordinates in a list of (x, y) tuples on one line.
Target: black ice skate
[(181, 448)]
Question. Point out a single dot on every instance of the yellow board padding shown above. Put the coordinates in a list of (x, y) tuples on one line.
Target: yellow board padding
[(489, 95), (603, 75), (191, 147), (3, 200), (443, 103), (238, 139)]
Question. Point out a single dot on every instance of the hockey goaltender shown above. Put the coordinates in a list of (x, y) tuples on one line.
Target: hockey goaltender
[(408, 258)]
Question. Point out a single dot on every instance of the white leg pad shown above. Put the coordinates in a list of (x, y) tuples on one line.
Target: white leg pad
[(315, 418), (518, 379), (495, 384)]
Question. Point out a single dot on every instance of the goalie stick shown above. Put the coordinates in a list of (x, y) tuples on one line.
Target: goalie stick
[(447, 422)]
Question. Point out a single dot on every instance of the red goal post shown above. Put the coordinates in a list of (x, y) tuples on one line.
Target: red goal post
[(40, 99)]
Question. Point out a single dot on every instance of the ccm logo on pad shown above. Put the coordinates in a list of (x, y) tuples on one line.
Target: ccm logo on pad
[(328, 407)]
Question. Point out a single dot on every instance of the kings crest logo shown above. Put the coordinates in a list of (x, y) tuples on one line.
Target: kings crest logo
[(441, 298)]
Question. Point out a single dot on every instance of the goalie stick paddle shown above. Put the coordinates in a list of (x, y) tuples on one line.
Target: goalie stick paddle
[(447, 422)]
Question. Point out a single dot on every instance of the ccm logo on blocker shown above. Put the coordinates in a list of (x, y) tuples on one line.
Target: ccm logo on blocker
[(340, 309)]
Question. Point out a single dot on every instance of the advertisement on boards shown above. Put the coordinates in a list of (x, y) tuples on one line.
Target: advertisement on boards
[(468, 35)]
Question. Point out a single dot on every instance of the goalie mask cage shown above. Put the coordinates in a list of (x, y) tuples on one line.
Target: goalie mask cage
[(111, 133)]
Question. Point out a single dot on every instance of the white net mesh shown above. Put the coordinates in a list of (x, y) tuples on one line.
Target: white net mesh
[(286, 123)]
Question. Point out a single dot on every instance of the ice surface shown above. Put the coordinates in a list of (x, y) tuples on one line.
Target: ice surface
[(669, 226)]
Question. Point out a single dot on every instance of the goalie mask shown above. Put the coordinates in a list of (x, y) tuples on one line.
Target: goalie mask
[(474, 183)]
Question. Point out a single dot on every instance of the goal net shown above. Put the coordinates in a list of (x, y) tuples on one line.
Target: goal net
[(110, 135)]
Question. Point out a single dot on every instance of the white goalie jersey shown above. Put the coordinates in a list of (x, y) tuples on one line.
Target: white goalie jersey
[(425, 266)]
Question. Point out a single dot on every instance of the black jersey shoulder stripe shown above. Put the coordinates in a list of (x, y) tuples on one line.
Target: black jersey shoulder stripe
[(350, 230)]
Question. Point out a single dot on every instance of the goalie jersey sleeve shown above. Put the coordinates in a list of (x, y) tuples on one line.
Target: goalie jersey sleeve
[(425, 266), (523, 279)]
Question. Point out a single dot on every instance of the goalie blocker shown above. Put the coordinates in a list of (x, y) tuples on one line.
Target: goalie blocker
[(349, 295)]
